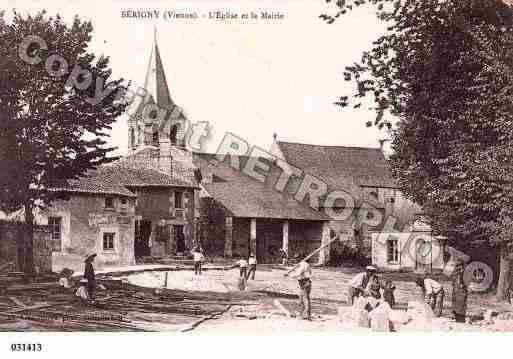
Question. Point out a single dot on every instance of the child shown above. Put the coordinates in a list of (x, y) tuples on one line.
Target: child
[(198, 259), (65, 279), (82, 290), (252, 266), (388, 292), (243, 265)]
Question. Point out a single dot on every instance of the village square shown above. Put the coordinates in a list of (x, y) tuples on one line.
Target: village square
[(168, 237)]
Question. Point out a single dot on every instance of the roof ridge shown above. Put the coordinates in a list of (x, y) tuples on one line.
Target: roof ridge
[(329, 146)]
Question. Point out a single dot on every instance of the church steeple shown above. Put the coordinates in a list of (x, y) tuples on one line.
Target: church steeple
[(155, 81), (146, 126)]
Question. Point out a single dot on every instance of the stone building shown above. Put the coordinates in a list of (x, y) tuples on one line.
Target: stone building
[(120, 213), (363, 173)]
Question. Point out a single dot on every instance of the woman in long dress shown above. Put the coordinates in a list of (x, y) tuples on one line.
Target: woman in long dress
[(459, 294)]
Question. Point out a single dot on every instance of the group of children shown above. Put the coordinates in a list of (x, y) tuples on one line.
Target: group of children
[(247, 267)]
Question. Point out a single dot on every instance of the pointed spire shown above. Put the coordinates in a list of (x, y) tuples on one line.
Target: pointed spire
[(155, 82)]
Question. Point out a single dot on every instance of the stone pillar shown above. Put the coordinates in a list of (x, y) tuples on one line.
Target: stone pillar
[(228, 237), (252, 237), (324, 254), (285, 243)]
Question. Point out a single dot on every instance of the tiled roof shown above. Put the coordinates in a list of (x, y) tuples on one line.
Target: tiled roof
[(117, 180), (143, 177), (340, 166), (146, 158), (244, 196), (95, 183)]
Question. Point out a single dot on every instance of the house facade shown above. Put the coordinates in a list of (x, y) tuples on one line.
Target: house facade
[(121, 214), (414, 249)]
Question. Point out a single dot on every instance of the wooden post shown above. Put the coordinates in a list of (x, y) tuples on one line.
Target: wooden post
[(165, 279), (285, 242), (325, 251), (228, 237), (253, 238)]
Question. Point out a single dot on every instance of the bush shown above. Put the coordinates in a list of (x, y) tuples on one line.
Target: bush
[(343, 254)]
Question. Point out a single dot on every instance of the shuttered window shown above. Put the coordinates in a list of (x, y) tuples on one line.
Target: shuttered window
[(393, 251)]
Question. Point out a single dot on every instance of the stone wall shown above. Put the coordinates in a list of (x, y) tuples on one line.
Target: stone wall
[(11, 235), (85, 219), (158, 206), (212, 227)]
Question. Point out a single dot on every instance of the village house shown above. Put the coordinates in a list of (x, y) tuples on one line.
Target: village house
[(415, 248), (121, 213)]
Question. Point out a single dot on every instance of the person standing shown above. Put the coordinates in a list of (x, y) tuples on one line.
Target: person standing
[(358, 285), (459, 294), (388, 292), (303, 273), (433, 294), (90, 276), (284, 257), (198, 260), (252, 262), (242, 263)]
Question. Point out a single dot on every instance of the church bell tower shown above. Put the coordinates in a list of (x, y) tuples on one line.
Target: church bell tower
[(158, 123)]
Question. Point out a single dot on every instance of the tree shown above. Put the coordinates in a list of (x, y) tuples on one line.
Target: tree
[(444, 71), (56, 102)]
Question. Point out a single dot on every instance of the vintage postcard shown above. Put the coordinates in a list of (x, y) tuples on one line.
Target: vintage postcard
[(256, 167)]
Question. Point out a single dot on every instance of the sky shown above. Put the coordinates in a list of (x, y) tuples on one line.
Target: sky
[(249, 78)]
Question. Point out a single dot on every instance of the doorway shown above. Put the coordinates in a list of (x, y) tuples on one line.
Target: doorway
[(142, 239), (179, 238)]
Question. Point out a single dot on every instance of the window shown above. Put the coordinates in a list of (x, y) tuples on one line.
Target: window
[(108, 241), (393, 251), (109, 203), (55, 231), (178, 200), (54, 227)]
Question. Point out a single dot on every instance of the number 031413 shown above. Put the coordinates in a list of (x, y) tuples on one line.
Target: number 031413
[(30, 347)]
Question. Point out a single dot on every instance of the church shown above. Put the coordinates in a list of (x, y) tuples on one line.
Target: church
[(162, 199)]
